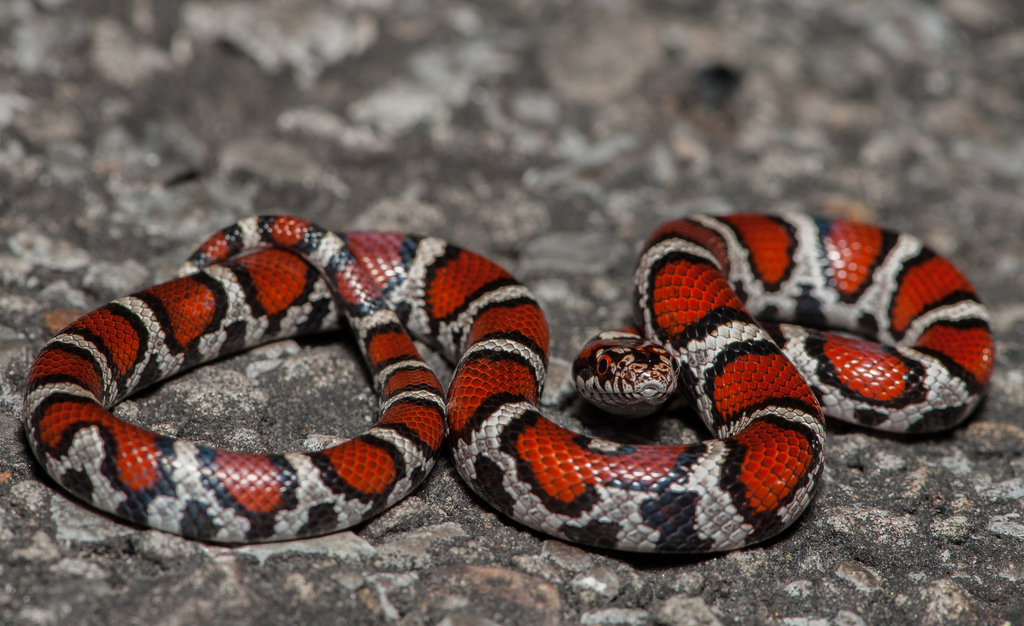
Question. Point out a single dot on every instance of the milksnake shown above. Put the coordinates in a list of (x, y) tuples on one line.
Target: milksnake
[(696, 280)]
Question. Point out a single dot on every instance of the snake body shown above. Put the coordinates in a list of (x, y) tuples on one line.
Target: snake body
[(697, 283)]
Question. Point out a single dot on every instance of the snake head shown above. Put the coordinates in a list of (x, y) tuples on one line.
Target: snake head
[(626, 376)]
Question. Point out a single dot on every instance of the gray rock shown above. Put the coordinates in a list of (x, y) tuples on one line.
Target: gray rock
[(600, 581), (78, 523), (79, 568), (45, 44), (399, 107), (582, 158), (166, 150), (321, 123), (849, 618), (947, 603), (955, 527), (116, 279), (280, 163), (342, 546), (122, 60), (1001, 160), (167, 549), (861, 577), (30, 498), (6, 534), (683, 611), (615, 617), (910, 31), (687, 582), (500, 595), (567, 556), (307, 37), (539, 565), (560, 385), (13, 270), (38, 249), (1012, 489), (411, 550), (890, 529), (42, 549), (465, 619), (1006, 525), (536, 107), (400, 215), (572, 253), (799, 588), (67, 161), (599, 55), (12, 103), (515, 221), (60, 294)]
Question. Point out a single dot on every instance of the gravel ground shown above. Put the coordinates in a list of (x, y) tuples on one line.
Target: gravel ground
[(551, 136)]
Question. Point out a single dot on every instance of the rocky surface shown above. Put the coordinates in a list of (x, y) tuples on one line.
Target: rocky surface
[(552, 136)]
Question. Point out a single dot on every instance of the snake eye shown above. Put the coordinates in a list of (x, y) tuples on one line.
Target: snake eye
[(604, 364)]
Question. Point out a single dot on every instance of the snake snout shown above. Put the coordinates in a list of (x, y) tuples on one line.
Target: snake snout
[(651, 390)]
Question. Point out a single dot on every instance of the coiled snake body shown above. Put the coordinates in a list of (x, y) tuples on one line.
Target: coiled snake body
[(697, 283)]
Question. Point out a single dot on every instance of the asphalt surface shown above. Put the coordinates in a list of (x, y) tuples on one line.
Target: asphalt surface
[(552, 137)]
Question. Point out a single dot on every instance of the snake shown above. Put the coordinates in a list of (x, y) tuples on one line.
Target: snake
[(910, 350)]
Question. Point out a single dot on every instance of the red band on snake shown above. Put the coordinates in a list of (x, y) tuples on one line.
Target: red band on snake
[(698, 282)]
